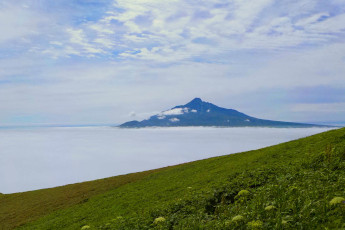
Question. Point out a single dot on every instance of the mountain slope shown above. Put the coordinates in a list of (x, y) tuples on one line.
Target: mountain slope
[(200, 113), (298, 178)]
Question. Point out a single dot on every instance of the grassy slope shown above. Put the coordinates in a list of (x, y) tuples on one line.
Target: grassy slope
[(154, 194), (19, 208)]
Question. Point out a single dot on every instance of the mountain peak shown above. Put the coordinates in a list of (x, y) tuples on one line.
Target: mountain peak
[(195, 101)]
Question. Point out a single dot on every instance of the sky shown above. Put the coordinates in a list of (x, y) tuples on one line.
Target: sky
[(110, 61)]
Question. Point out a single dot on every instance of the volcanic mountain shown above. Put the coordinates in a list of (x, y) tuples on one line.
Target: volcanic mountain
[(201, 113)]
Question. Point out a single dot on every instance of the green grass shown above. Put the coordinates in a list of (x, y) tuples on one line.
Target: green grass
[(289, 186), (19, 208)]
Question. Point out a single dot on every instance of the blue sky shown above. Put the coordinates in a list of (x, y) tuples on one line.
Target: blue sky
[(109, 61)]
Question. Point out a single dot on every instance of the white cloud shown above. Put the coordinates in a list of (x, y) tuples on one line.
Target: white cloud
[(172, 28), (311, 19), (101, 29), (335, 24), (17, 23), (176, 111), (176, 30), (319, 108), (174, 119)]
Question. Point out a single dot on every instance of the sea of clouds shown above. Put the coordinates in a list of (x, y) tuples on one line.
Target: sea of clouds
[(38, 158)]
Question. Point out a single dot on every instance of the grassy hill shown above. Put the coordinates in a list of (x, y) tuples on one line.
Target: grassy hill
[(294, 185)]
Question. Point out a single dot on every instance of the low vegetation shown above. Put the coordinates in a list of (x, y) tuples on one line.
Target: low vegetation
[(295, 185), (19, 208)]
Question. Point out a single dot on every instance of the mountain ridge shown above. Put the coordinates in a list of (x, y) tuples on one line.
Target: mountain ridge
[(201, 113)]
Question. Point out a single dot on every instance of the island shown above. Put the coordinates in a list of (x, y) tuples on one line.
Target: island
[(200, 113)]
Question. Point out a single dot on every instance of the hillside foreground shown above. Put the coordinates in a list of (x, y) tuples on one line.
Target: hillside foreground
[(295, 185)]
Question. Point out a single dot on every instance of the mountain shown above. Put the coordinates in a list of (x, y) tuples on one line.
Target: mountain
[(201, 113)]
